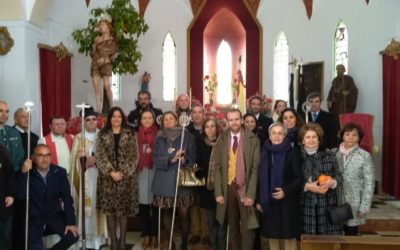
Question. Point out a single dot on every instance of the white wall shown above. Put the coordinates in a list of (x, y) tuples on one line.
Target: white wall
[(371, 28)]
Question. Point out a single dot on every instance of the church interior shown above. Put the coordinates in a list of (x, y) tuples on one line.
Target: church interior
[(271, 43)]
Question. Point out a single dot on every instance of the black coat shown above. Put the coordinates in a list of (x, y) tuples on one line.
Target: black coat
[(207, 199), (24, 139), (134, 116), (282, 220), (7, 183), (330, 127), (263, 123)]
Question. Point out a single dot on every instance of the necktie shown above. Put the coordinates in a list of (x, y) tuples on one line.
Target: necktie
[(235, 144), (314, 117)]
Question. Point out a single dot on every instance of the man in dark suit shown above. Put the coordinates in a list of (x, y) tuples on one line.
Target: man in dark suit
[(263, 122), (324, 119), (143, 102), (21, 124), (51, 208), (7, 194)]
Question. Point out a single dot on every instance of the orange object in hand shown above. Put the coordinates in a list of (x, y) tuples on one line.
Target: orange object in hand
[(323, 179)]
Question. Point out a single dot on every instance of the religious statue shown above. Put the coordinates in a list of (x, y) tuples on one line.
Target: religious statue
[(343, 94), (104, 51), (145, 81)]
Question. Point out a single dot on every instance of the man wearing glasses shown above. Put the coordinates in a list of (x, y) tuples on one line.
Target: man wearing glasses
[(51, 208), (95, 223)]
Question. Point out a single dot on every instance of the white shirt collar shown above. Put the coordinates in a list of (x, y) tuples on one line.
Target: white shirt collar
[(20, 129)]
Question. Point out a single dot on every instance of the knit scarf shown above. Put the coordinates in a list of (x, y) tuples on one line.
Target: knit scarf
[(211, 165), (312, 163), (146, 137), (271, 171), (240, 165), (345, 152)]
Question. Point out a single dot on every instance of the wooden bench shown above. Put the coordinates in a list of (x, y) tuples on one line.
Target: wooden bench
[(328, 242)]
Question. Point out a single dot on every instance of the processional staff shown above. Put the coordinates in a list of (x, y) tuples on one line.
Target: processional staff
[(82, 160), (28, 108)]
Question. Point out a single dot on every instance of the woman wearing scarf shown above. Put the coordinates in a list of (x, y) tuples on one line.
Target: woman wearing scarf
[(166, 155), (357, 170), (280, 179), (317, 197), (250, 122), (148, 213), (205, 160), (292, 122)]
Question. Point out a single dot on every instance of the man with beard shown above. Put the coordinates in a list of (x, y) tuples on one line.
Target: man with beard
[(143, 103)]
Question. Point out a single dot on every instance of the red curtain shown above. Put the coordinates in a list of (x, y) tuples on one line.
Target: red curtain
[(391, 125), (55, 86)]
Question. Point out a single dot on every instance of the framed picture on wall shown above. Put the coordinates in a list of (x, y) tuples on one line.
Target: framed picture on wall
[(313, 79)]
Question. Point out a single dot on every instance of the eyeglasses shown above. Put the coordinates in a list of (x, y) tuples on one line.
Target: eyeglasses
[(43, 156), (91, 119)]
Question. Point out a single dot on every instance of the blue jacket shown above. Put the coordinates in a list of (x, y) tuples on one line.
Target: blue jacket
[(165, 172), (50, 200)]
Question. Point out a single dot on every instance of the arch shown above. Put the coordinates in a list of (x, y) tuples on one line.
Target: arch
[(169, 66), (253, 38), (341, 47), (281, 67)]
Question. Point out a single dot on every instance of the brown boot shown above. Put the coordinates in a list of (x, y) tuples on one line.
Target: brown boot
[(146, 242), (154, 242)]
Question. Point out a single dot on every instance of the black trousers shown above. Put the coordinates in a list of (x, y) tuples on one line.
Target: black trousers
[(149, 219)]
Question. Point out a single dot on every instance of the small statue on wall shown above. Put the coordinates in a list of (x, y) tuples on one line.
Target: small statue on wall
[(343, 94), (104, 51), (145, 81)]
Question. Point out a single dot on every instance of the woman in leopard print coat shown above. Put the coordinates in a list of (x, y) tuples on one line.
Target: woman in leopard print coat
[(117, 187)]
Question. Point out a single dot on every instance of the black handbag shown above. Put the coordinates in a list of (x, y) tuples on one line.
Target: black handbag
[(339, 214)]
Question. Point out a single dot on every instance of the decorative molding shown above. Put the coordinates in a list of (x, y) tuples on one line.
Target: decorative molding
[(253, 4), (87, 3), (392, 50), (142, 7), (196, 4), (6, 42), (309, 5), (60, 50)]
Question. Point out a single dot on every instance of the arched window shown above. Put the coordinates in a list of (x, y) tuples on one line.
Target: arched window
[(169, 68), (116, 86), (281, 67), (341, 46), (224, 73)]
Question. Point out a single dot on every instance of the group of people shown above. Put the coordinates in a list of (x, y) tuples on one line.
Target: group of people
[(263, 177)]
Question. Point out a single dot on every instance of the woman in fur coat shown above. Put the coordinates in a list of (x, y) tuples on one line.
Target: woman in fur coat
[(117, 187)]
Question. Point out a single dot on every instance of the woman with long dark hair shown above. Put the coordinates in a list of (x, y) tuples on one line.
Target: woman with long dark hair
[(205, 161), (117, 188)]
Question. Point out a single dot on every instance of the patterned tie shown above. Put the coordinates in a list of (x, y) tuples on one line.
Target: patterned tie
[(314, 117), (235, 144)]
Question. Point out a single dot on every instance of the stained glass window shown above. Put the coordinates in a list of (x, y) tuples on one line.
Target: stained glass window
[(281, 68), (341, 43), (116, 86), (224, 73), (169, 68)]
